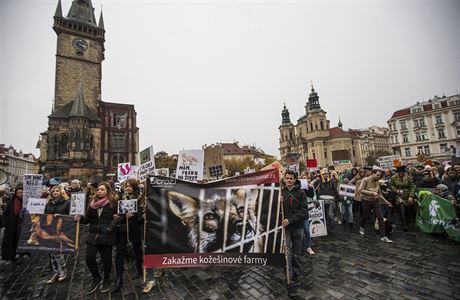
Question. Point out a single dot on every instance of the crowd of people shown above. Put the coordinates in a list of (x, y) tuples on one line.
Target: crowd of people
[(387, 194)]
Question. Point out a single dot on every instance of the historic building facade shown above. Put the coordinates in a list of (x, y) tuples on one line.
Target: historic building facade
[(16, 164), (426, 130), (312, 137), (77, 142)]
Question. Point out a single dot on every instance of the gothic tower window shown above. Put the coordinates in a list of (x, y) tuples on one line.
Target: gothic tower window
[(311, 126), (321, 125), (77, 140)]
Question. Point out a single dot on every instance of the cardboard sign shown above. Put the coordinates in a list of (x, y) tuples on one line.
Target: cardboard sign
[(36, 205), (147, 160), (190, 165), (317, 220), (32, 187), (347, 190), (389, 161)]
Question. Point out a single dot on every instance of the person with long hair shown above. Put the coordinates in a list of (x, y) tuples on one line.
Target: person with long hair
[(129, 230), (58, 204), (100, 239), (12, 223)]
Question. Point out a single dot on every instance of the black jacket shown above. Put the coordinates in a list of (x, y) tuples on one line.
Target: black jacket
[(295, 206), (101, 228), (12, 228), (58, 206)]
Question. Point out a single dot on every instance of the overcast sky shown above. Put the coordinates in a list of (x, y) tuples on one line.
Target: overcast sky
[(201, 72)]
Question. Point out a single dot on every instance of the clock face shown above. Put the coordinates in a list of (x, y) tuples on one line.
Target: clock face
[(80, 45)]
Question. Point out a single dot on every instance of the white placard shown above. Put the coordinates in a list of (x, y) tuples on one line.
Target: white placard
[(161, 172), (389, 161), (77, 204), (190, 165), (304, 184), (147, 160), (347, 190), (127, 206), (317, 220), (32, 187), (36, 205)]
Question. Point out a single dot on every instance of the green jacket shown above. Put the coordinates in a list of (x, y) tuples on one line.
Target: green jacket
[(406, 184)]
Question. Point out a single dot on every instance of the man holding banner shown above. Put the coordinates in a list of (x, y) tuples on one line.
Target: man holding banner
[(295, 208)]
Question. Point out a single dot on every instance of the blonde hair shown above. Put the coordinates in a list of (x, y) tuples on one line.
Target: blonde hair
[(61, 189)]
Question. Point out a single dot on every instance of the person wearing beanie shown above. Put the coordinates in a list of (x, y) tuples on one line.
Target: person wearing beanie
[(403, 186), (429, 180), (75, 186), (450, 179), (12, 223)]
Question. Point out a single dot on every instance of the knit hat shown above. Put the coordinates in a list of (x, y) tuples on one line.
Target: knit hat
[(442, 187)]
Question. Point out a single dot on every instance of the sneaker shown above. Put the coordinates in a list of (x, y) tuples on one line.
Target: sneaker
[(385, 239), (53, 278), (94, 286), (149, 286), (310, 251), (361, 230), (62, 277), (158, 274), (105, 286)]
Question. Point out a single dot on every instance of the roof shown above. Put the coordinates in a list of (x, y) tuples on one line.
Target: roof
[(427, 105), (232, 148), (82, 11), (337, 132), (64, 112)]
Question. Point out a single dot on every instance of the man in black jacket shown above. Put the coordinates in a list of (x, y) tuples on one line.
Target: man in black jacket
[(295, 207)]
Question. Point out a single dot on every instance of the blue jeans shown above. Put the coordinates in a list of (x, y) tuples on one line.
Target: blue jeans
[(306, 230), (347, 212)]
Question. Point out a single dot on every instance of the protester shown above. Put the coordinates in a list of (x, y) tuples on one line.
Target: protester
[(450, 179), (58, 204), (12, 223), (403, 186), (130, 232), (75, 186), (370, 199), (346, 205), (295, 207), (356, 181), (101, 234), (429, 180), (327, 187)]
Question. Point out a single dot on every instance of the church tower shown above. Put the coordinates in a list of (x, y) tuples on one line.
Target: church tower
[(287, 133)]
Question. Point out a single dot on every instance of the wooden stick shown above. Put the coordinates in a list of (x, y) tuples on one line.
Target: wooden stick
[(288, 277), (77, 235)]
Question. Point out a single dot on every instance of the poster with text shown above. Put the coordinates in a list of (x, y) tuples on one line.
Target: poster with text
[(318, 220), (147, 163), (231, 222), (190, 165), (32, 187), (36, 205), (77, 204)]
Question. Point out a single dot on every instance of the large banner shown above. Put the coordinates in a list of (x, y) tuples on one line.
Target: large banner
[(437, 215), (232, 222), (47, 233), (190, 165)]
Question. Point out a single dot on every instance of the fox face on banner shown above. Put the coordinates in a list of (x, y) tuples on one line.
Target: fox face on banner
[(235, 221)]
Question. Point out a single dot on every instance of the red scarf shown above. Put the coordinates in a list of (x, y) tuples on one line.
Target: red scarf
[(99, 203), (17, 206)]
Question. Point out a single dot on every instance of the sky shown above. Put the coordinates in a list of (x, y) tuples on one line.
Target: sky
[(201, 72)]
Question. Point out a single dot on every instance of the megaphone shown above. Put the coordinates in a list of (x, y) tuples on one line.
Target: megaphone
[(3, 176)]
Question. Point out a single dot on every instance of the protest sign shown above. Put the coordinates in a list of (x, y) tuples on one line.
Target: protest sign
[(123, 171), (190, 165), (389, 161), (147, 160), (77, 204), (161, 172), (231, 222), (347, 190), (32, 187), (317, 220), (127, 206), (47, 233), (36, 205)]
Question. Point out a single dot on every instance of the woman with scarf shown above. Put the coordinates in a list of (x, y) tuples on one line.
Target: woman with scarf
[(129, 230), (12, 223), (100, 239), (58, 204)]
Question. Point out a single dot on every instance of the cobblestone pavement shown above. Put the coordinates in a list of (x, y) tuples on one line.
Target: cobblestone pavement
[(346, 266)]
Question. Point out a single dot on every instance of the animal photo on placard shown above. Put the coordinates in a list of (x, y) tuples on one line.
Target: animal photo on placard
[(127, 206)]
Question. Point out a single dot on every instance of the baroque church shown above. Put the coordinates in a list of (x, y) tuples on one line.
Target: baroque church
[(86, 137), (312, 138)]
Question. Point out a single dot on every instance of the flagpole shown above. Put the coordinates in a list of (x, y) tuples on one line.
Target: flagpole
[(288, 277)]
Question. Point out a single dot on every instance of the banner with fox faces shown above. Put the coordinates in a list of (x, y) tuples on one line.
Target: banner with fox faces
[(231, 222)]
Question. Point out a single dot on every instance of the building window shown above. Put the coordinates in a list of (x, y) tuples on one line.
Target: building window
[(325, 154), (457, 116), (419, 149), (416, 110), (405, 138), (321, 125), (216, 171), (444, 148), (458, 131), (454, 103), (436, 106), (119, 120), (311, 126), (403, 125), (407, 151), (418, 136), (441, 133), (426, 150), (438, 119)]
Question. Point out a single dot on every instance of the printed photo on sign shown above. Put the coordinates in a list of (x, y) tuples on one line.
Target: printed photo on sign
[(236, 215), (36, 205), (127, 206), (47, 233), (347, 190), (190, 165), (78, 204), (317, 221)]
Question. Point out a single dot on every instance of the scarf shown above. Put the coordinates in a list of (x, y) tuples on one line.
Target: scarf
[(99, 203), (17, 206)]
